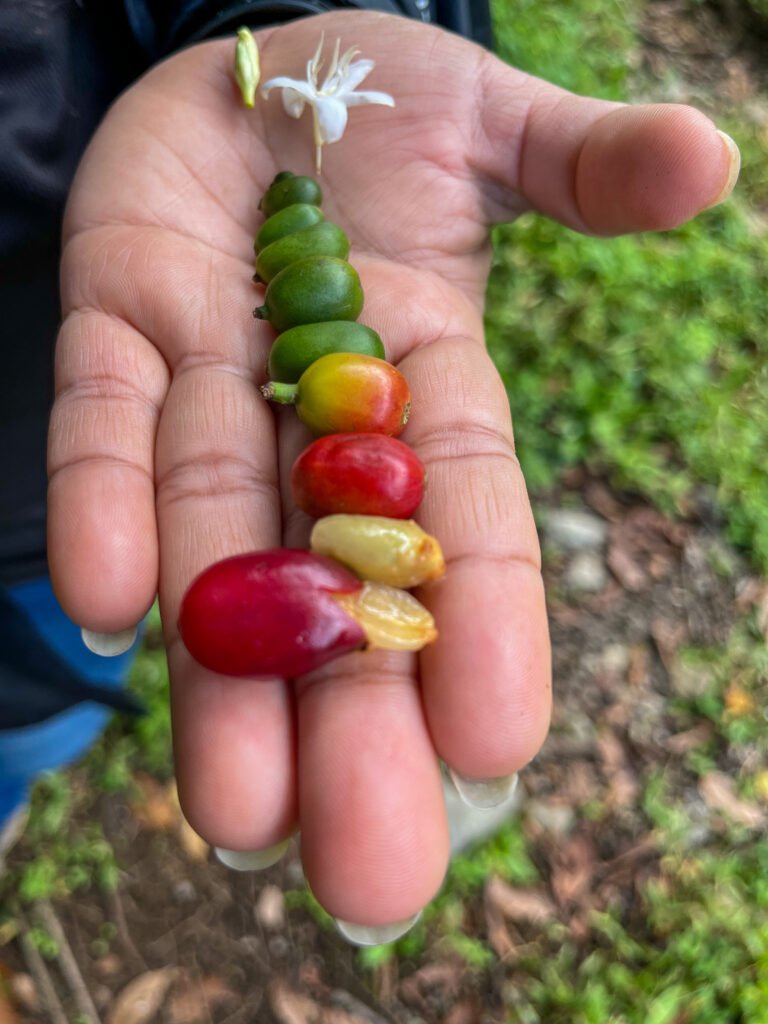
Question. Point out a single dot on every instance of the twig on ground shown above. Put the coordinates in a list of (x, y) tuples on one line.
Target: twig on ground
[(68, 963), (39, 971), (117, 912)]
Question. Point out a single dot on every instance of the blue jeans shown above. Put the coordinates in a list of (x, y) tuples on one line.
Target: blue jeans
[(61, 739)]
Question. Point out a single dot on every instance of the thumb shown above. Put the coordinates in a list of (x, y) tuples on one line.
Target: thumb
[(600, 167)]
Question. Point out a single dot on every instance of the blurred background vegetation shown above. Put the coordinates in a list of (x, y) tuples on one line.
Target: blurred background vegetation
[(643, 357), (646, 359)]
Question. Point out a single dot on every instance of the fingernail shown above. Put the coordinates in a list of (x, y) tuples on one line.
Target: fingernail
[(109, 645), (484, 793), (375, 935), (734, 166), (251, 860)]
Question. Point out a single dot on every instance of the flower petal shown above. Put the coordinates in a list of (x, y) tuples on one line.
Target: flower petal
[(360, 99), (356, 72), (297, 84), (293, 102), (295, 93), (331, 118)]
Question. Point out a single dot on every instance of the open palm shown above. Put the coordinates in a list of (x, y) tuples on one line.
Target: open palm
[(164, 458)]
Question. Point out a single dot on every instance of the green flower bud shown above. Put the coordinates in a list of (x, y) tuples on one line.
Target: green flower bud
[(247, 67)]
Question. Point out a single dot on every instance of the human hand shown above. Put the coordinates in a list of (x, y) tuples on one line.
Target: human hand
[(164, 458)]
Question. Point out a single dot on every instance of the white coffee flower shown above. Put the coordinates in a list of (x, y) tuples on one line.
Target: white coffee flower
[(331, 100)]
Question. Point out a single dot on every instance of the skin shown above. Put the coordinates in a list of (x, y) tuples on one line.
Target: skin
[(164, 458)]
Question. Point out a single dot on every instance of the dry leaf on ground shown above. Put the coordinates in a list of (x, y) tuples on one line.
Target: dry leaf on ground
[(193, 1003), (644, 547), (580, 784), (719, 793), (600, 498), (639, 672), (521, 905), (24, 993), (156, 806), (682, 742), (623, 787), (292, 1007), (140, 1000), (444, 977), (668, 637), (626, 570), (575, 868)]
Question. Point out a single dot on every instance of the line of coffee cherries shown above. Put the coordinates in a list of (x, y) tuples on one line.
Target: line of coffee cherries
[(285, 611)]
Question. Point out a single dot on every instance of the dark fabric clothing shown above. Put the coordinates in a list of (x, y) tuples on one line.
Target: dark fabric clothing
[(62, 62), (60, 67), (49, 684), (161, 27)]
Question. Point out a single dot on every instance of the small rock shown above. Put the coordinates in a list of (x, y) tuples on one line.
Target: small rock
[(270, 909), (616, 659), (574, 530), (279, 947), (23, 990), (586, 573), (574, 736), (184, 892), (109, 965), (294, 873), (555, 818), (647, 723)]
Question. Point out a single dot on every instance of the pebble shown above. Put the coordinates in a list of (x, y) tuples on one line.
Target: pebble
[(647, 724), (279, 947), (557, 819), (614, 660), (294, 873), (585, 573), (574, 529), (575, 736), (184, 892), (270, 909), (24, 992)]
